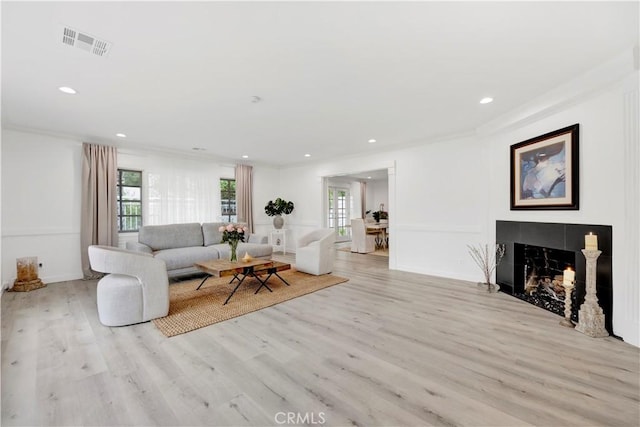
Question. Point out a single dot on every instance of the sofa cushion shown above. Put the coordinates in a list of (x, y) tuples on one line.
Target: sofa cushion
[(257, 238), (185, 257), (160, 237), (211, 234)]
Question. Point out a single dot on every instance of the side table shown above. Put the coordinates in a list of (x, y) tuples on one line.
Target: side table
[(278, 240)]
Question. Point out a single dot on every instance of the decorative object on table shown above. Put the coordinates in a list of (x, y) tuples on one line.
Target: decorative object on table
[(233, 234), (380, 213), (590, 315), (277, 209), (544, 171), (487, 260), (568, 283), (27, 280), (247, 257)]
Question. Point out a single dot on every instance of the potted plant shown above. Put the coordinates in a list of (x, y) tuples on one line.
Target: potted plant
[(378, 215), (278, 208), (487, 260)]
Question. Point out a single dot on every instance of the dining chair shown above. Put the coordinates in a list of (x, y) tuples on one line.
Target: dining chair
[(361, 241)]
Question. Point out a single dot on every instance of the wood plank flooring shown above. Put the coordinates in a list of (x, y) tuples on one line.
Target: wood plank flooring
[(387, 348)]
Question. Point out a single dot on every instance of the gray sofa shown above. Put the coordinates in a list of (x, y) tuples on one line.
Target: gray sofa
[(182, 245)]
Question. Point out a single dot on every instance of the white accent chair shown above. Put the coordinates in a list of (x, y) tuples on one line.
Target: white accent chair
[(315, 252), (361, 241), (135, 290)]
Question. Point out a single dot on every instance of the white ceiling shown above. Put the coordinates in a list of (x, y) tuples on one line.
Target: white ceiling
[(331, 75)]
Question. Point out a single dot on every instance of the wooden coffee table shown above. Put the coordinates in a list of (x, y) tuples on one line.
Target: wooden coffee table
[(240, 270)]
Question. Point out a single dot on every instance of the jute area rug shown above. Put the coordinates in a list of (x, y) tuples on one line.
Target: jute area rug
[(190, 309)]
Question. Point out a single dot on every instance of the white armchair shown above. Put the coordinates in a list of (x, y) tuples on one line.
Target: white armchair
[(135, 291), (315, 252), (361, 242)]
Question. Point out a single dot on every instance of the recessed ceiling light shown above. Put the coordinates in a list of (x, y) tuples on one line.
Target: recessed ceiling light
[(486, 100), (307, 155), (121, 135), (368, 177), (371, 141), (244, 156), (67, 89)]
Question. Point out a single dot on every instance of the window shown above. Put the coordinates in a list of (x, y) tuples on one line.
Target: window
[(228, 199), (129, 200)]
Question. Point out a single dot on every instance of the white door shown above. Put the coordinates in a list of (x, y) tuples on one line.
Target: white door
[(338, 212)]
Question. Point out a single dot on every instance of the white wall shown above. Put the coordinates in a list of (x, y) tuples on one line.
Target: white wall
[(1, 266), (41, 204), (356, 205), (377, 192), (440, 207), (265, 188)]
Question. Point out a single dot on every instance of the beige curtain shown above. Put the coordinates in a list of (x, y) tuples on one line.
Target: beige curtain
[(98, 219), (244, 190), (363, 199)]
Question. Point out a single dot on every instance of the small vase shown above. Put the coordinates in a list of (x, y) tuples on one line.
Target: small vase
[(278, 222), (233, 244), (489, 287)]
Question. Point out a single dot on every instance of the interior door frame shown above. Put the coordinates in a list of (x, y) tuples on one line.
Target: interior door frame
[(390, 166)]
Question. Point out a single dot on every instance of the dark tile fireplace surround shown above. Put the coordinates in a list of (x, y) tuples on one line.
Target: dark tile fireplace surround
[(549, 248)]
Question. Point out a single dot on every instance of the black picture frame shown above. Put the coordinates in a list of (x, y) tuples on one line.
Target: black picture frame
[(545, 171)]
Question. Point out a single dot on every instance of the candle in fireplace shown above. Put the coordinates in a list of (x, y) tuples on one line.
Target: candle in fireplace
[(568, 277), (567, 283), (591, 242)]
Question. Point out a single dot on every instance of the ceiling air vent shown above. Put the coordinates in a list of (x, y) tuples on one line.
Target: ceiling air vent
[(84, 41)]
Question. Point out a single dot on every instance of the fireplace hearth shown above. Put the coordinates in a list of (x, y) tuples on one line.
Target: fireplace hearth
[(537, 255)]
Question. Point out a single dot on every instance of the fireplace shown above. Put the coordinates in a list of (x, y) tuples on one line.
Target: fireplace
[(543, 276), (537, 255)]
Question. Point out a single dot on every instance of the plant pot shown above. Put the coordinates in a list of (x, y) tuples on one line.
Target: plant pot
[(278, 222)]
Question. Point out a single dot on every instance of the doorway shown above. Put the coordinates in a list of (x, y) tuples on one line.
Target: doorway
[(339, 212), (379, 189)]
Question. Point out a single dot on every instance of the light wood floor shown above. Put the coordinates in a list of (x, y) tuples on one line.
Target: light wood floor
[(386, 348)]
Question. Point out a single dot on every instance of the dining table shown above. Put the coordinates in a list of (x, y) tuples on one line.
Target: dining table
[(379, 228)]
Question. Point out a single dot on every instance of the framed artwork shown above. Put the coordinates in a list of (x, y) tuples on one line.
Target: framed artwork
[(544, 171)]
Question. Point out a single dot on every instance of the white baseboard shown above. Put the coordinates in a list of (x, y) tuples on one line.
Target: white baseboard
[(47, 280)]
